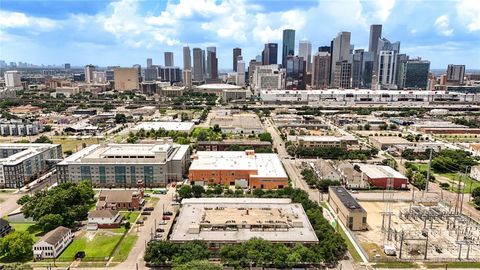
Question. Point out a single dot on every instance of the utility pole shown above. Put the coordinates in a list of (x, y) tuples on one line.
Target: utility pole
[(428, 171)]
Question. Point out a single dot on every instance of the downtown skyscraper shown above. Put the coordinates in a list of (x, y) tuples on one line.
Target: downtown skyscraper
[(236, 52), (270, 54), (187, 58), (288, 45)]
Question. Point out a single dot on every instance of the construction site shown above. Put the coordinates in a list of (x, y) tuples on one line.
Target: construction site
[(419, 229)]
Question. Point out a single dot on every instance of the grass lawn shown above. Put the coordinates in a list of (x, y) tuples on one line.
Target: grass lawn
[(470, 183), (420, 166), (99, 247), (396, 265), (71, 144), (124, 249), (351, 249), (475, 265), (130, 216), (32, 228)]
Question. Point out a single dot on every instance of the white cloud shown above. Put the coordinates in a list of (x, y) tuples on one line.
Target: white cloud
[(10, 19), (442, 24), (468, 12), (384, 8)]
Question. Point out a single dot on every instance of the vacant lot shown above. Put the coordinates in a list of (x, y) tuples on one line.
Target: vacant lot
[(74, 144), (97, 246)]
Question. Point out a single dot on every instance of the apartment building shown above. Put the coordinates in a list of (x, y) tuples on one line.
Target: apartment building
[(123, 165), (22, 162)]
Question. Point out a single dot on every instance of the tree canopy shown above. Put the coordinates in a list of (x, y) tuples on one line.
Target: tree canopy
[(16, 246), (61, 205)]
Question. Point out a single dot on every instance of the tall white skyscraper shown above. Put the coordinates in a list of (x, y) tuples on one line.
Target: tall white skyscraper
[(12, 79), (305, 51), (340, 52), (387, 63), (187, 58), (89, 73)]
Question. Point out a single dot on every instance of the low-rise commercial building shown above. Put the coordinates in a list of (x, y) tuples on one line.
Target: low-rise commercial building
[(385, 142), (353, 96), (22, 162), (226, 145), (238, 168), (52, 244), (123, 165), (241, 123), (348, 210), (322, 141), (234, 220), (186, 127), (383, 176)]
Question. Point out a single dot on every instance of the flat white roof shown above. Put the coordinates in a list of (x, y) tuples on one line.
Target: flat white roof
[(168, 126), (28, 150), (315, 138), (359, 92), (218, 86), (193, 211), (380, 171), (267, 165)]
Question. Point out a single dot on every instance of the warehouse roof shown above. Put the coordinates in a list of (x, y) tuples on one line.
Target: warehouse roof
[(229, 220), (168, 126), (266, 165), (379, 171)]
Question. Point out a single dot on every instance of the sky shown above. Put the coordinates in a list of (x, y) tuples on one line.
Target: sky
[(126, 32)]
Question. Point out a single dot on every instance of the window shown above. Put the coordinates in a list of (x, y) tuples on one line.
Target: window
[(85, 173), (364, 220), (132, 175), (120, 177), (103, 176)]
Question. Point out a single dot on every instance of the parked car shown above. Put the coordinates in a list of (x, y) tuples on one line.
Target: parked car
[(146, 213), (167, 213), (139, 221), (174, 203), (162, 222), (166, 218), (148, 208), (160, 230)]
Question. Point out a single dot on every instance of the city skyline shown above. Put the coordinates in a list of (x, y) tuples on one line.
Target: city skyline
[(126, 32)]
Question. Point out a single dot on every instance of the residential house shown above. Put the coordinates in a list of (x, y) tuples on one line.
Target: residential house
[(351, 178), (53, 243), (104, 219), (325, 170)]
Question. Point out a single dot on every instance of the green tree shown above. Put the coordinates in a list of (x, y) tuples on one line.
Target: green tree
[(291, 132), (216, 128), (23, 200), (265, 137), (198, 265), (50, 222), (127, 225), (47, 128), (120, 118), (43, 139), (366, 127), (16, 266), (185, 191), (197, 191), (70, 201), (202, 136), (16, 246)]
